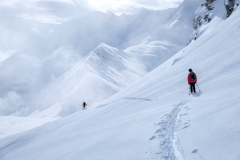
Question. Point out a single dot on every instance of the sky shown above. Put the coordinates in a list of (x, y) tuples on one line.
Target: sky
[(116, 6), (127, 6)]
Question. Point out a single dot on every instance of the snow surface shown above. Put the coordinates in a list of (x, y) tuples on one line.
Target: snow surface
[(12, 124), (155, 118)]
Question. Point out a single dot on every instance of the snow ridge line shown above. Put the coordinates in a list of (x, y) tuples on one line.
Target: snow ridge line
[(128, 98), (167, 134)]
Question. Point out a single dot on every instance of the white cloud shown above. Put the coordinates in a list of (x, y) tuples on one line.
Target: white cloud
[(43, 18), (115, 6), (127, 6)]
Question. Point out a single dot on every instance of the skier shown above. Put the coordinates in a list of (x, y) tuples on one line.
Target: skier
[(192, 79), (84, 104)]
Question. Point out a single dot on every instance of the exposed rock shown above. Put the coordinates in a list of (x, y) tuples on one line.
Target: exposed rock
[(201, 16), (229, 10), (229, 5), (210, 1)]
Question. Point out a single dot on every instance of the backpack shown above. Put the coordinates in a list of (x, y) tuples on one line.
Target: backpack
[(192, 76)]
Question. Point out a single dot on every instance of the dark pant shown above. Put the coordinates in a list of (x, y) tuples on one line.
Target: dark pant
[(192, 86)]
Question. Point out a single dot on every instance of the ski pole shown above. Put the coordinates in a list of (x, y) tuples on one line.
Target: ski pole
[(189, 88), (198, 87)]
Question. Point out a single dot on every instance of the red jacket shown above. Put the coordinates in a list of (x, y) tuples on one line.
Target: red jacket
[(192, 81)]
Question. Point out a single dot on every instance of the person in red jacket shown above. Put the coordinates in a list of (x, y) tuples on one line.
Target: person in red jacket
[(84, 104), (192, 79)]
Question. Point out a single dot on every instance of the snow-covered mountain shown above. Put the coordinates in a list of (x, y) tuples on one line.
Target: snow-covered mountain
[(156, 118), (104, 72)]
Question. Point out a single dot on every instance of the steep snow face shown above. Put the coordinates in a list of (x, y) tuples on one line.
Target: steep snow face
[(155, 118), (182, 14), (182, 18), (114, 65)]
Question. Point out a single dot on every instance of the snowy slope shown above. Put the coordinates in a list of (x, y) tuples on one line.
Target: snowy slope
[(14, 124), (156, 118)]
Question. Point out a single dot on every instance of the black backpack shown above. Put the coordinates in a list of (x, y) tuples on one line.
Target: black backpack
[(192, 76)]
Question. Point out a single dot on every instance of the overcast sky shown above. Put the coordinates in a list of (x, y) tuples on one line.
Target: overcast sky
[(127, 6), (115, 6)]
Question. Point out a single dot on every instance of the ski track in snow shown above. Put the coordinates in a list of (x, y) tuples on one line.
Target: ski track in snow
[(167, 134), (169, 148), (169, 142), (128, 98)]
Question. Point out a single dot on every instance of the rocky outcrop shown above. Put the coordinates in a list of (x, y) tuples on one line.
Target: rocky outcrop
[(230, 5), (201, 16)]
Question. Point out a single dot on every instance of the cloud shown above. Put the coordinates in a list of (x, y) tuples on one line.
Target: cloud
[(44, 18), (44, 11), (10, 102), (68, 6), (129, 6), (42, 39)]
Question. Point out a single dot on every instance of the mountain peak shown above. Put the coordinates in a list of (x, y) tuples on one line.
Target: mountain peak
[(104, 51), (103, 47), (147, 40)]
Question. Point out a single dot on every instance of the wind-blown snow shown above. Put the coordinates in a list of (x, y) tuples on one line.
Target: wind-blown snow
[(152, 53), (156, 118)]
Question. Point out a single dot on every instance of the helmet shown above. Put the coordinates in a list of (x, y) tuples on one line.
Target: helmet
[(190, 70)]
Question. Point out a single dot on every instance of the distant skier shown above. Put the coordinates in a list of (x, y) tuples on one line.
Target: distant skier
[(192, 79), (84, 104)]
